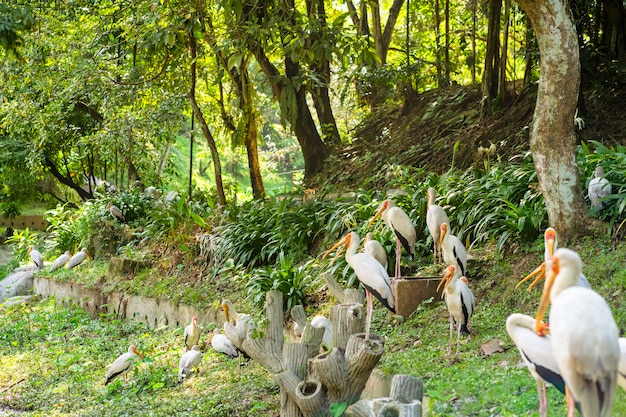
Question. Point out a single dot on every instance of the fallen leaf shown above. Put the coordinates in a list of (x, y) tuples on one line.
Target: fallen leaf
[(492, 346)]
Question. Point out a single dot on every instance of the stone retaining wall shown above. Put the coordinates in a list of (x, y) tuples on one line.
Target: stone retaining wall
[(32, 221)]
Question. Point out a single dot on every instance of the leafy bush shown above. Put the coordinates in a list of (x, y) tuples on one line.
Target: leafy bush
[(21, 241)]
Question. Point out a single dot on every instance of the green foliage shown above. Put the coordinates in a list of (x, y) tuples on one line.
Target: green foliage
[(296, 282), (21, 241)]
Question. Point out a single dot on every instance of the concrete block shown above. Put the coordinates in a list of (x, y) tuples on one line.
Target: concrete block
[(411, 291)]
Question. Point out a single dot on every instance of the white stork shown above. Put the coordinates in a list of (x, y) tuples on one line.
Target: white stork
[(222, 344), (116, 212), (190, 360), (401, 225), (584, 337), (435, 217), (373, 248), (78, 258), (550, 246), (60, 261), (370, 273), (599, 187), (460, 301), (536, 351), (621, 372), (123, 363), (191, 335), (453, 250), (36, 257), (237, 324)]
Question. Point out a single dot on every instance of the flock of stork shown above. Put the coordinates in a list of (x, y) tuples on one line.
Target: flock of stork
[(579, 352)]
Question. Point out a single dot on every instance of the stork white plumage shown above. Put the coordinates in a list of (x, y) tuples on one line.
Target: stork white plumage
[(188, 362), (401, 225), (191, 335), (452, 249), (435, 217), (584, 337), (319, 322), (550, 239), (237, 324), (621, 371), (536, 351), (222, 344), (369, 272), (373, 248), (78, 258), (460, 302), (116, 212), (599, 187), (61, 261), (36, 257), (123, 363)]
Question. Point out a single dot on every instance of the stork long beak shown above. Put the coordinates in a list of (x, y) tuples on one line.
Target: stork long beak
[(344, 242), (225, 308), (444, 230), (447, 277), (541, 327), (382, 208), (138, 353), (539, 273)]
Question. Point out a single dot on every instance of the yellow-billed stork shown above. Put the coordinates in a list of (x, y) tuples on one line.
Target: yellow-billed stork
[(78, 258), (599, 187), (123, 363), (435, 217), (460, 302), (453, 250), (401, 225), (191, 335), (369, 272), (374, 248), (222, 344), (36, 257), (188, 362), (116, 212), (61, 261), (584, 337)]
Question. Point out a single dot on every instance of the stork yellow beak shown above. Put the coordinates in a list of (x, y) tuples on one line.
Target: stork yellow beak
[(447, 277), (539, 273), (382, 208), (344, 241), (540, 327), (225, 309), (444, 230)]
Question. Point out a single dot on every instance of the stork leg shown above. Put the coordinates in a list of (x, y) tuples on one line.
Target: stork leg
[(435, 253), (398, 254), (543, 399), (368, 314), (451, 333), (571, 403), (458, 338)]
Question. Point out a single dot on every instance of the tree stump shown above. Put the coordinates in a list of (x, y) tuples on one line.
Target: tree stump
[(405, 401), (310, 382)]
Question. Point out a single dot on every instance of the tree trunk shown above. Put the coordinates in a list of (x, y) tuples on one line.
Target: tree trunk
[(191, 97), (492, 56), (613, 35), (502, 92), (438, 44), (552, 139), (529, 55), (67, 180), (252, 133), (446, 52)]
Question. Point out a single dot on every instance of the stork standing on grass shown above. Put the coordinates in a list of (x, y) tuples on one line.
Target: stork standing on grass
[(191, 335), (123, 363), (188, 362), (36, 257), (435, 217), (401, 225), (78, 258), (584, 337), (60, 261), (116, 212), (369, 272), (460, 302)]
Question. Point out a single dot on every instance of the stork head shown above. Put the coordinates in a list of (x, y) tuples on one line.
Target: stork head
[(194, 320), (381, 209), (30, 249), (444, 229), (345, 241), (133, 349), (550, 240), (447, 277), (432, 195)]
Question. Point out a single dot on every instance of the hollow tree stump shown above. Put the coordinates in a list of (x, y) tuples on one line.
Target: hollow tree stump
[(311, 383), (405, 400)]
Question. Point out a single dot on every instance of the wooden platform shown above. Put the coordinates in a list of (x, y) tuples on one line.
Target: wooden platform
[(411, 291)]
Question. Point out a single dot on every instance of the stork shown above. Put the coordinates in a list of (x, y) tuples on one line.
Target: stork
[(191, 335), (237, 324), (584, 337), (536, 351), (116, 212), (401, 225), (78, 258), (36, 257), (370, 273), (123, 363), (453, 250), (190, 360), (435, 217), (373, 248), (550, 246), (222, 344), (60, 261), (460, 302), (599, 187)]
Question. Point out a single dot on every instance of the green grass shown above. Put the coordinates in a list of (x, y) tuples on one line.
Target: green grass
[(57, 356)]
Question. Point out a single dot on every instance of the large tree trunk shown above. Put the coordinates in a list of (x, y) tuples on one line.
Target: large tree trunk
[(492, 56), (552, 139), (252, 133)]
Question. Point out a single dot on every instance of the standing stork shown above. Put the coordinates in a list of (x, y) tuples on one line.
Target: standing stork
[(369, 272), (116, 212), (460, 301), (78, 258), (60, 261), (536, 351), (373, 248), (599, 187), (584, 337), (191, 335), (453, 250), (123, 363), (435, 217), (401, 225), (190, 360), (36, 257), (550, 246)]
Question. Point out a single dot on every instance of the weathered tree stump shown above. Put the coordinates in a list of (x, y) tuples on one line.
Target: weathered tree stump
[(311, 383), (405, 400)]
